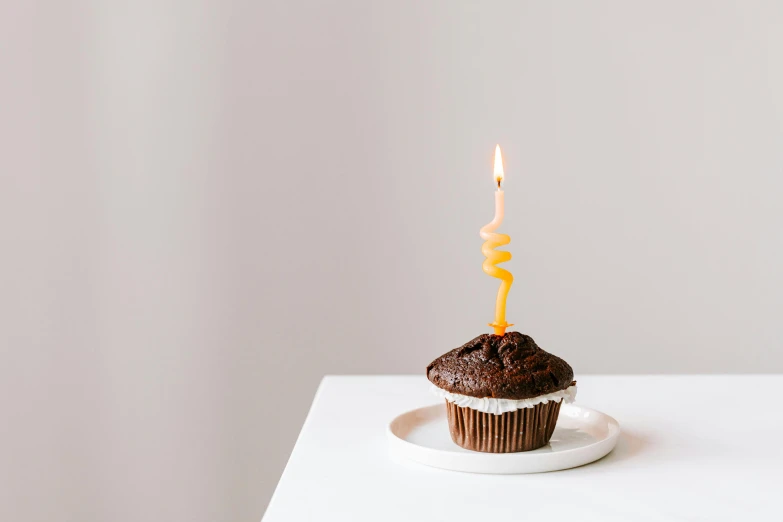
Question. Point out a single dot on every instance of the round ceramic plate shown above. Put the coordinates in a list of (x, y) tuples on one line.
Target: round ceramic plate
[(582, 435)]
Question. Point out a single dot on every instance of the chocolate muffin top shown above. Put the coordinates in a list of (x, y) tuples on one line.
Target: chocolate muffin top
[(510, 366)]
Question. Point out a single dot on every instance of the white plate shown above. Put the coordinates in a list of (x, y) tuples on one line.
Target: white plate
[(582, 435)]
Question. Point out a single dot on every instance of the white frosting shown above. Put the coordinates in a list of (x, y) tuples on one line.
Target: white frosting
[(500, 406)]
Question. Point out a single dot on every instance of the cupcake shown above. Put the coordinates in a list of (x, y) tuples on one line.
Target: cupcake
[(503, 393)]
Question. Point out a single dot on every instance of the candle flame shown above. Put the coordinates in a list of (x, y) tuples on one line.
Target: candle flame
[(499, 175)]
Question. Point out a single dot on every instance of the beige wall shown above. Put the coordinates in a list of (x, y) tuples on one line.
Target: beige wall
[(206, 206)]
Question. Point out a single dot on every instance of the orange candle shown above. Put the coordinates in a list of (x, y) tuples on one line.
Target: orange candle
[(492, 240)]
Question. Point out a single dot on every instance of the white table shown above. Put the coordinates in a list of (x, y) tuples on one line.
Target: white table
[(692, 448)]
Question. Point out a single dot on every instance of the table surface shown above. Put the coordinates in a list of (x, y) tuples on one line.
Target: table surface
[(692, 448)]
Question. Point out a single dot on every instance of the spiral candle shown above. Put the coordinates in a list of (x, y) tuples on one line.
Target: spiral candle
[(492, 240)]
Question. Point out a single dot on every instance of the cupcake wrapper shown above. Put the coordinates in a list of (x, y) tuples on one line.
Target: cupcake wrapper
[(524, 429)]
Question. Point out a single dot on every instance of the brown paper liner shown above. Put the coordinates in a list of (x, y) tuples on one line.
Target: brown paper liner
[(524, 429)]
